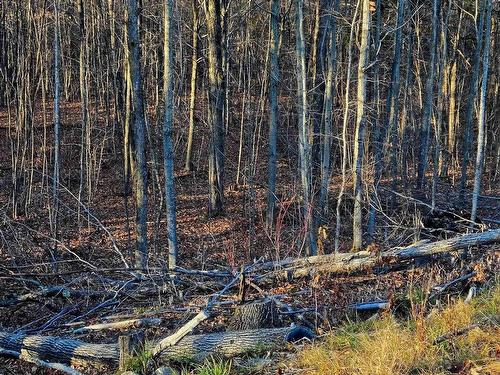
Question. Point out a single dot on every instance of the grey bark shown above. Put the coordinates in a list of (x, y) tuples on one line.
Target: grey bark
[(473, 86), (139, 152), (359, 138), (305, 163), (274, 78), (216, 106), (482, 114), (328, 112), (168, 149), (195, 347), (429, 98)]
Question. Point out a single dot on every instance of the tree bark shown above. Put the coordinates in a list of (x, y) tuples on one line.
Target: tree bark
[(195, 347), (168, 148), (481, 135), (359, 138), (216, 106), (139, 171), (274, 78)]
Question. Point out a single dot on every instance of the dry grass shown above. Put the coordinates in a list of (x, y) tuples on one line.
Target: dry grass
[(387, 346)]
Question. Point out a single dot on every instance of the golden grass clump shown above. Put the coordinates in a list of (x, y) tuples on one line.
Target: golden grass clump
[(387, 346)]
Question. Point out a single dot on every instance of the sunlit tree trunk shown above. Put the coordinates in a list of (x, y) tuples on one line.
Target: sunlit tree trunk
[(359, 137), (429, 98), (57, 130), (482, 113), (274, 78), (192, 95), (471, 100), (305, 165)]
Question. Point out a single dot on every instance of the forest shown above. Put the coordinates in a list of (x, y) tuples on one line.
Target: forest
[(219, 187)]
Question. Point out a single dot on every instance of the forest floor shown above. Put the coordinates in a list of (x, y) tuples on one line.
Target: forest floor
[(88, 258)]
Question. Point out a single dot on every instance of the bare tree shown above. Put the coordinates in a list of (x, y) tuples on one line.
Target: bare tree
[(482, 113), (216, 106), (274, 78), (139, 170), (359, 137)]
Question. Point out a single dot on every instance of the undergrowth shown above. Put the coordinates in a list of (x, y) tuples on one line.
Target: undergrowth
[(388, 346)]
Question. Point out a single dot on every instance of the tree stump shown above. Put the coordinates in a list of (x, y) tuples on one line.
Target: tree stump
[(130, 345), (254, 315)]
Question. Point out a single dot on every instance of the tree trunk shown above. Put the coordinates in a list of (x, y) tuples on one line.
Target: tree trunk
[(305, 166), (359, 138), (194, 347), (139, 152), (471, 102), (274, 78), (481, 135), (216, 106), (429, 98), (168, 149), (192, 97)]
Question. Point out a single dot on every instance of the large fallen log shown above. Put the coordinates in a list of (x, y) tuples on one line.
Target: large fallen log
[(351, 262), (194, 347)]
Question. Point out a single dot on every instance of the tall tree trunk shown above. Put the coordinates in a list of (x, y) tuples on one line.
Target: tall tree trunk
[(429, 98), (328, 112), (274, 78), (344, 127), (359, 137), (305, 164), (192, 96), (168, 149), (471, 100), (216, 104), (57, 130), (139, 170), (481, 135)]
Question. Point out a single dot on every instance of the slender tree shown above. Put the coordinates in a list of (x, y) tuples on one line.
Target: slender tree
[(57, 129), (139, 153), (216, 105), (359, 137), (192, 96), (429, 97), (471, 100), (305, 166), (168, 149), (274, 77), (331, 70), (482, 113)]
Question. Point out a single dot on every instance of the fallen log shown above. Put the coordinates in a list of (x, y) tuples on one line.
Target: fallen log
[(61, 350), (351, 262), (194, 347)]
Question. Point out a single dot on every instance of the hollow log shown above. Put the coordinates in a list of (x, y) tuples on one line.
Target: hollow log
[(194, 347)]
